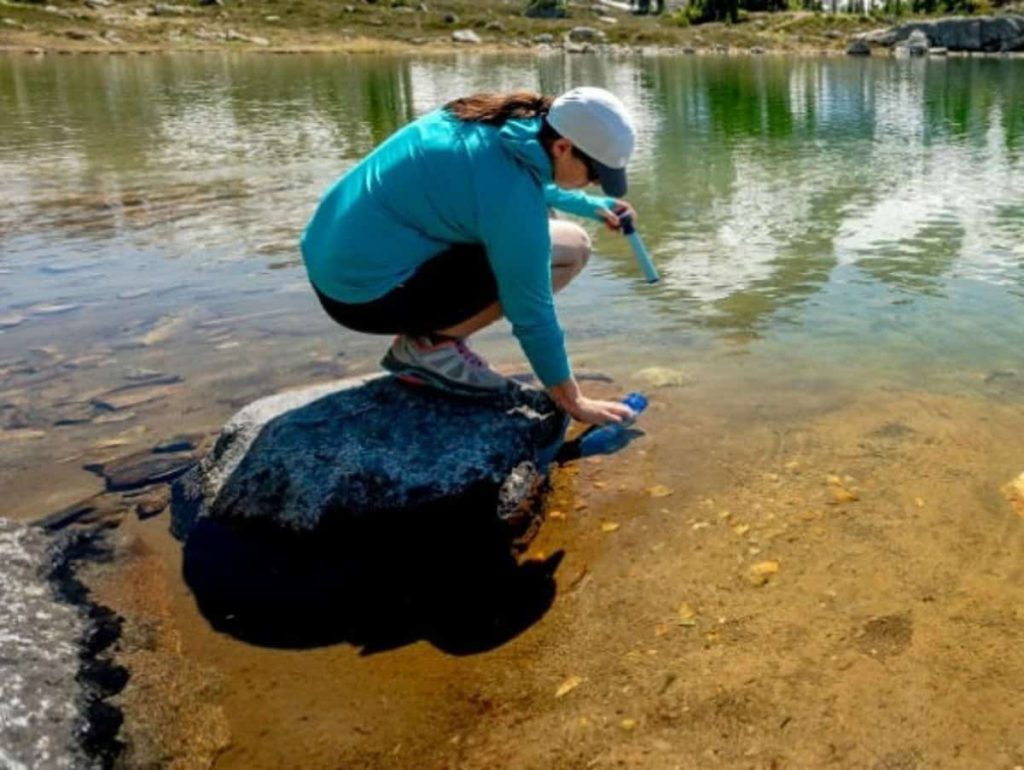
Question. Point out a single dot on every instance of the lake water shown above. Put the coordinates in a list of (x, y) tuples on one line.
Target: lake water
[(861, 221), (842, 251)]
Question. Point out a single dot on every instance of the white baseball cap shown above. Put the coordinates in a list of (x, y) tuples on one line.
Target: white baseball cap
[(597, 123)]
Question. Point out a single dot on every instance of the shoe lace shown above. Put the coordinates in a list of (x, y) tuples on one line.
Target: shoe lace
[(469, 355)]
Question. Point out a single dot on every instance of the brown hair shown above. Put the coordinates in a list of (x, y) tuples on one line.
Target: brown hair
[(494, 108)]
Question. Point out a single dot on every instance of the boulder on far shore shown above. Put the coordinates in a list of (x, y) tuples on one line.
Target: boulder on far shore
[(916, 44), (319, 459), (585, 35), (466, 36), (858, 47)]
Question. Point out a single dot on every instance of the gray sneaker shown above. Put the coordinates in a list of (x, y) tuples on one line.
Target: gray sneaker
[(450, 366)]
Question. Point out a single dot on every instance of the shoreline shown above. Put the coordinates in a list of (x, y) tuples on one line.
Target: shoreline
[(385, 47), (485, 50), (444, 28)]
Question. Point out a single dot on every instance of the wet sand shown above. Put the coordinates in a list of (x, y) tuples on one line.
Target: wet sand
[(771, 577)]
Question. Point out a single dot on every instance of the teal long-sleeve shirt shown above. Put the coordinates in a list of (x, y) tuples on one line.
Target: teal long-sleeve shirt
[(440, 181)]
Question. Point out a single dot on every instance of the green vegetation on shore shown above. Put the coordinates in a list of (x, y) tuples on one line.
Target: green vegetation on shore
[(379, 26), (382, 25)]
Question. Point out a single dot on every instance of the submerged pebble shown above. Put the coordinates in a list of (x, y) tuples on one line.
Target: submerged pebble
[(1014, 492), (133, 294), (123, 398), (147, 376), (164, 329), (568, 686), (141, 469), (153, 503), (21, 434), (78, 413), (185, 442), (52, 309), (662, 377), (762, 572), (841, 493), (111, 418), (92, 510)]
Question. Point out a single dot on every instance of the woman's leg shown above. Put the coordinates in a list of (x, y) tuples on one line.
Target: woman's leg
[(570, 252)]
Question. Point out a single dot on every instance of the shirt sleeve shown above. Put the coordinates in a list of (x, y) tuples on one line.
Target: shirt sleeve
[(514, 230), (576, 202)]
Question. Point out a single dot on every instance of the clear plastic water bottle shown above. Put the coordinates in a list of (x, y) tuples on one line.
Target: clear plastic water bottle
[(615, 435)]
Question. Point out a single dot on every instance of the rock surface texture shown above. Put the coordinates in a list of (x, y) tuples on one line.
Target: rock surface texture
[(466, 36), (916, 44), (41, 702), (309, 460), (976, 34)]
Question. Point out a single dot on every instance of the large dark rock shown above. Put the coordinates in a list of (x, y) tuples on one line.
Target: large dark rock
[(372, 513), (979, 34), (318, 459)]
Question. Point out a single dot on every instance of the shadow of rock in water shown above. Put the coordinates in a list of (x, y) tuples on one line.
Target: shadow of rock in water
[(377, 586)]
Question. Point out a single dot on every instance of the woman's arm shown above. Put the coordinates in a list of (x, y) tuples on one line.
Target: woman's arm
[(577, 202), (515, 233)]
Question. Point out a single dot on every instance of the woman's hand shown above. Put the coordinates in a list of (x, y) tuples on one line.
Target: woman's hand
[(611, 216), (594, 412), (587, 410)]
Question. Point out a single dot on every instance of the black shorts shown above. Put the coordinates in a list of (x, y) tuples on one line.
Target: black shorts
[(445, 291)]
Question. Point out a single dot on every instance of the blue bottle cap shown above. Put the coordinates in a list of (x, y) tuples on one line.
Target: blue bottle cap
[(636, 401)]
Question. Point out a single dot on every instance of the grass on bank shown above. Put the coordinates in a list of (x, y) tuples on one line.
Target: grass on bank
[(358, 24)]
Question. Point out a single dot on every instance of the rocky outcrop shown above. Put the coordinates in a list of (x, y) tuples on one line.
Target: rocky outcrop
[(318, 459), (916, 44), (467, 36), (585, 35), (52, 686), (976, 34), (858, 47)]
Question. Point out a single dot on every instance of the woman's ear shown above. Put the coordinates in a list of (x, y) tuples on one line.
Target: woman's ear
[(561, 147)]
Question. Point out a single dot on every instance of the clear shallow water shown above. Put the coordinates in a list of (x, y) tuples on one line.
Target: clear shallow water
[(858, 218)]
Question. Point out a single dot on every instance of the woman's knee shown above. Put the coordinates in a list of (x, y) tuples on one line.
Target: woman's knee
[(570, 246)]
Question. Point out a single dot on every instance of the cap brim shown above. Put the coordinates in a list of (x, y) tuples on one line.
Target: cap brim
[(612, 180)]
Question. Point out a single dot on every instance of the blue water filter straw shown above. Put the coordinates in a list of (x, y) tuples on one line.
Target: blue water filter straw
[(639, 250), (615, 435)]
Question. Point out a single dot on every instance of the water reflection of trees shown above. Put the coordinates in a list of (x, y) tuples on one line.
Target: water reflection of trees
[(964, 97), (128, 141), (790, 157), (745, 187), (754, 177)]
